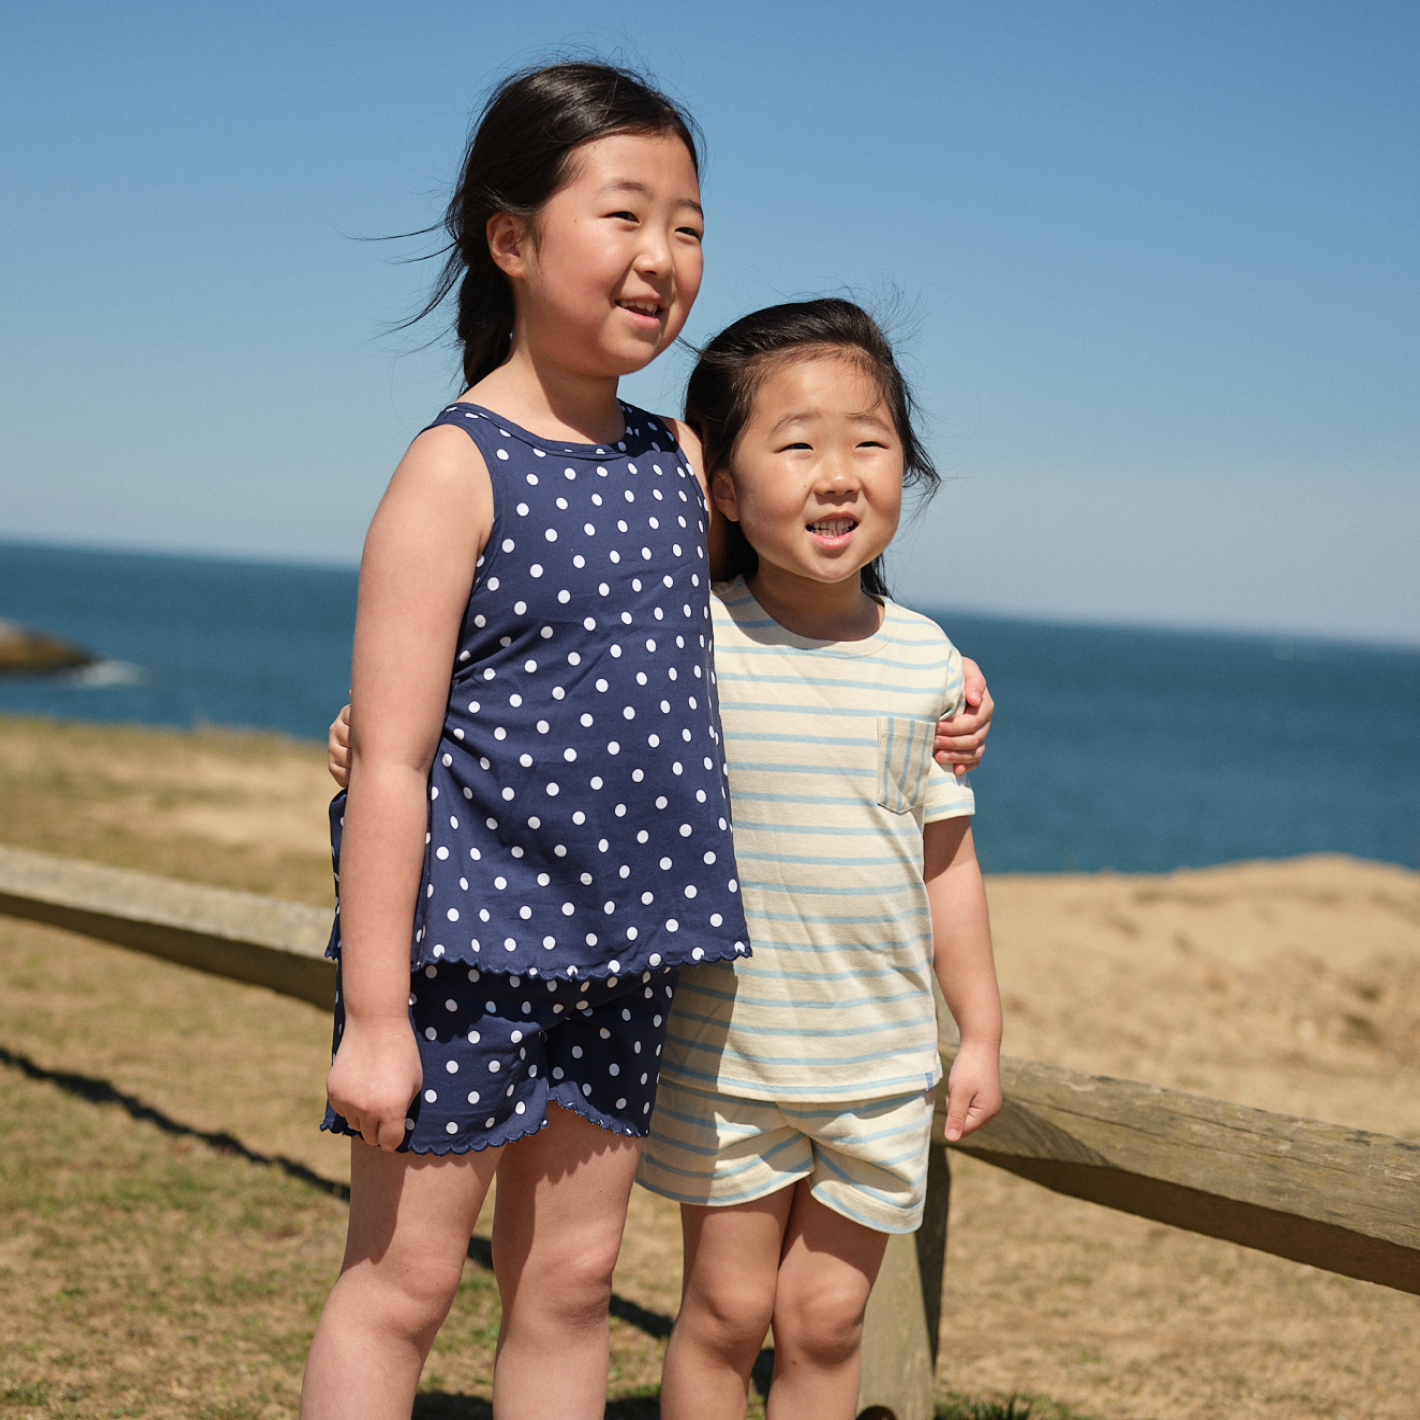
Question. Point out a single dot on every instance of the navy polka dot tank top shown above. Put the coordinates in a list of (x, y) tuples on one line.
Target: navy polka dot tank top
[(579, 822)]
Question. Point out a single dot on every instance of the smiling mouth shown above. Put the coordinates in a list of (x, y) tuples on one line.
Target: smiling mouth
[(642, 308), (832, 527)]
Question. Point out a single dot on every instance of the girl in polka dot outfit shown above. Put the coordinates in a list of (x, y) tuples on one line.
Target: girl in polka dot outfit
[(533, 844)]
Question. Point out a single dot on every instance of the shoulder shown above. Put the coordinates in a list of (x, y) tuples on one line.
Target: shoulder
[(440, 490), (921, 642), (689, 442), (914, 627), (444, 456)]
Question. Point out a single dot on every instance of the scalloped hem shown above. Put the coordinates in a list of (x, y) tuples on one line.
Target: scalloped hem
[(452, 1148), (578, 1105), (601, 971), (574, 1105)]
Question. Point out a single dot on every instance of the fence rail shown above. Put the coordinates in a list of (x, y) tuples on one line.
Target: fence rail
[(1340, 1199)]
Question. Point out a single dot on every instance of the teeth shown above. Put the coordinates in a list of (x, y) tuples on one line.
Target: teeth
[(841, 525)]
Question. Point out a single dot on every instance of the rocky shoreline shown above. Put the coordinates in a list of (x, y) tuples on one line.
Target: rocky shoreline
[(25, 651)]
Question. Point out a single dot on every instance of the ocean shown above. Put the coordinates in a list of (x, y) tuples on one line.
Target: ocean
[(1112, 748)]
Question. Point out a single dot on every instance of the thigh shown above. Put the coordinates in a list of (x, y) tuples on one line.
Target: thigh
[(732, 1254), (827, 1267), (414, 1211), (562, 1196)]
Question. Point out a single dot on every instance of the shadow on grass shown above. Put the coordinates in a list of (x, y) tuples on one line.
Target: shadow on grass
[(435, 1405), (480, 1250), (95, 1091)]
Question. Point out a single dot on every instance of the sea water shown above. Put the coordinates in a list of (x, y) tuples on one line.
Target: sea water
[(1116, 748)]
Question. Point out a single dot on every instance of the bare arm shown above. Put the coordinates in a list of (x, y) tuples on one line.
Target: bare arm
[(415, 577), (966, 971)]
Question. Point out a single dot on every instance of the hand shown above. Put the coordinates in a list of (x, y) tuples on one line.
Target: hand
[(337, 748), (973, 1089), (376, 1074), (961, 738)]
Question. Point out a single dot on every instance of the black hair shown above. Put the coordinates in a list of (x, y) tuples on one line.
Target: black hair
[(720, 395), (519, 155)]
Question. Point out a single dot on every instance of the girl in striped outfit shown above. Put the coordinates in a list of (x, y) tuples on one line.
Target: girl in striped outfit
[(794, 1110)]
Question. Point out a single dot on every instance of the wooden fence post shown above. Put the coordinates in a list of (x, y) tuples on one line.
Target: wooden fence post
[(905, 1312)]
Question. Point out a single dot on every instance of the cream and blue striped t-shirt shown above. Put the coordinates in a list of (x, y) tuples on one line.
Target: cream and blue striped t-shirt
[(829, 753)]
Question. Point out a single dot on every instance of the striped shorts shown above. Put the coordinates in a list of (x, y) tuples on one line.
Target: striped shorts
[(865, 1159)]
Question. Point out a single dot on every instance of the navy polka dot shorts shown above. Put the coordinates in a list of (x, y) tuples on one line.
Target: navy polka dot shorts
[(497, 1048)]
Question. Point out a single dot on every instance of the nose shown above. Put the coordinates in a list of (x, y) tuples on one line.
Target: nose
[(836, 477), (653, 256)]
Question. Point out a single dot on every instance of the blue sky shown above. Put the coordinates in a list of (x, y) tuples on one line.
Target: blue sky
[(1158, 262)]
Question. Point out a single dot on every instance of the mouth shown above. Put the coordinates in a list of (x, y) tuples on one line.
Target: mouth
[(646, 310), (832, 527)]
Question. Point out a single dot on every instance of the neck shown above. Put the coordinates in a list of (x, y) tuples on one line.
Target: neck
[(549, 400), (821, 611)]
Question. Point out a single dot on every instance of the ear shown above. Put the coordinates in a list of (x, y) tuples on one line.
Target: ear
[(722, 494), (508, 243)]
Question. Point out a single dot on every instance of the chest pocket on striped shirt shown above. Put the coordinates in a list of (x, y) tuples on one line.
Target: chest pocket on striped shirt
[(904, 760)]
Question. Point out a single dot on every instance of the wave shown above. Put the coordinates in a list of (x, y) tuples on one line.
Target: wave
[(104, 675)]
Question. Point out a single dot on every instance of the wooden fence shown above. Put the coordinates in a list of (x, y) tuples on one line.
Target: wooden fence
[(1339, 1199)]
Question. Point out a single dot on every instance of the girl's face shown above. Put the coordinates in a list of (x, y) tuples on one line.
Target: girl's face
[(816, 476), (605, 278)]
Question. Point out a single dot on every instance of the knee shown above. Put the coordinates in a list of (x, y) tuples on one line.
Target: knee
[(728, 1314), (571, 1289), (415, 1299), (823, 1327)]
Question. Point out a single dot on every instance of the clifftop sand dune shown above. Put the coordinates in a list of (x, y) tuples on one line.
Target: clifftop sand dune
[(1293, 986)]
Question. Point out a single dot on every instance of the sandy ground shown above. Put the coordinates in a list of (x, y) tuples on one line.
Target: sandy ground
[(1292, 986)]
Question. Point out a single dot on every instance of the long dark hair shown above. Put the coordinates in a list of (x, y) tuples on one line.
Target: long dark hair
[(520, 153), (720, 396)]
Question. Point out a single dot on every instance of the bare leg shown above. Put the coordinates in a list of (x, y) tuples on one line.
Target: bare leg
[(727, 1299), (827, 1269), (557, 1225), (410, 1220)]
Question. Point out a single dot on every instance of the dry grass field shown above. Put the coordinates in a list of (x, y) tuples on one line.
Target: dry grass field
[(172, 1219)]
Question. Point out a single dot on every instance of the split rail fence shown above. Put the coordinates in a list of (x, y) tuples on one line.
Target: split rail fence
[(1339, 1199)]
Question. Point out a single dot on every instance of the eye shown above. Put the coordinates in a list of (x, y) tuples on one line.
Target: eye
[(622, 216), (800, 445), (694, 233)]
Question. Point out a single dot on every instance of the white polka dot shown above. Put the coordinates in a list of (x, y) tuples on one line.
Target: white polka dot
[(673, 926), (494, 1066), (453, 914)]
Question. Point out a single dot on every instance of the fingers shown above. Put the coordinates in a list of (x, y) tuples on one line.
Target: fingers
[(956, 1116), (973, 682), (337, 748)]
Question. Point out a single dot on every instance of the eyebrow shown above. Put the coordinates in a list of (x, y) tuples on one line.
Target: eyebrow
[(866, 416), (631, 185)]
